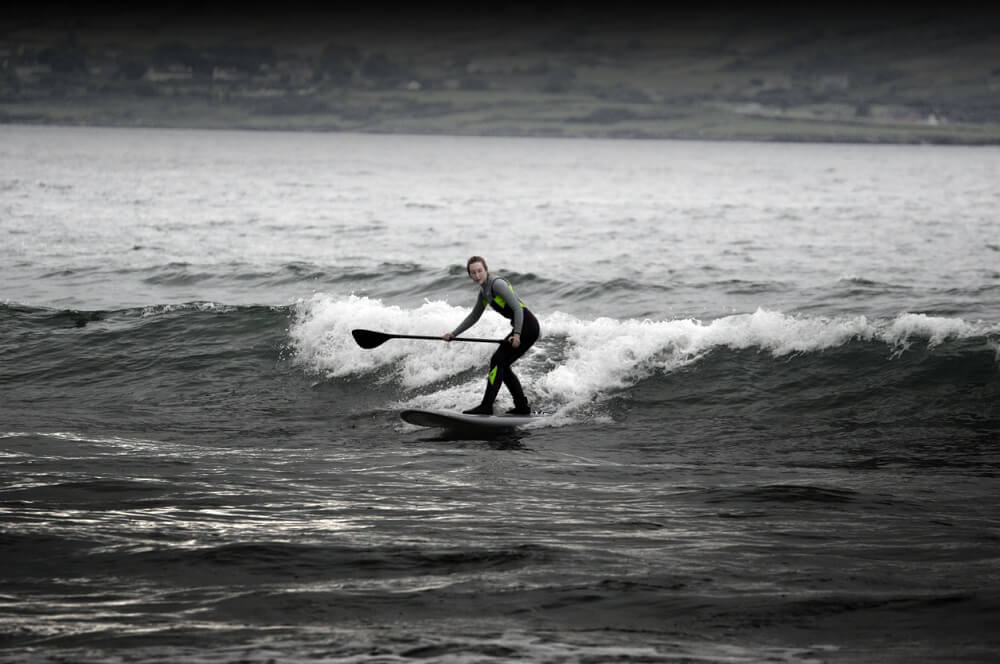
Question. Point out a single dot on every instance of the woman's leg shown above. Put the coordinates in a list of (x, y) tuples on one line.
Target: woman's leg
[(529, 335)]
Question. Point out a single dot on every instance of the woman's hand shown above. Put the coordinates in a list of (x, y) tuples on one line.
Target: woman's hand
[(515, 340), (447, 336)]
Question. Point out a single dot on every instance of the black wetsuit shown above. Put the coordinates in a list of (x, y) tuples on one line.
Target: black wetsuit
[(497, 293)]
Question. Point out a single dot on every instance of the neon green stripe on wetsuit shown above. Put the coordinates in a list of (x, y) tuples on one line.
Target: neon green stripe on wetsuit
[(497, 293)]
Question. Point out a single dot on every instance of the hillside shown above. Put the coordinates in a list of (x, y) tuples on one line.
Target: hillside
[(915, 77)]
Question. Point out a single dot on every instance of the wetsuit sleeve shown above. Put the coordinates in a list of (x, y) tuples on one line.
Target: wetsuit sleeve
[(503, 289), (474, 315)]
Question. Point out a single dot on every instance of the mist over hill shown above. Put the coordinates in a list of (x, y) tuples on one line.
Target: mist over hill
[(912, 75)]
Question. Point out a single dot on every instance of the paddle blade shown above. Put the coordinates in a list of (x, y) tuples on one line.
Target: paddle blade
[(369, 338)]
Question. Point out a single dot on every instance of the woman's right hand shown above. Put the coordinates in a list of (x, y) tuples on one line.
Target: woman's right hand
[(447, 336)]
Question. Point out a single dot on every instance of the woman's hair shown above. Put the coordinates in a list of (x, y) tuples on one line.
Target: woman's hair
[(476, 259)]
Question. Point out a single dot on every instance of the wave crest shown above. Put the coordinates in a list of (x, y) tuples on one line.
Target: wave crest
[(576, 361)]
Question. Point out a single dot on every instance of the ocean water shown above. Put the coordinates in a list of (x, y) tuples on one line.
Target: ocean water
[(770, 376)]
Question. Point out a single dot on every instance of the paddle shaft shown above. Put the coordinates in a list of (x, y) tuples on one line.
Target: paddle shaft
[(372, 339), (417, 336)]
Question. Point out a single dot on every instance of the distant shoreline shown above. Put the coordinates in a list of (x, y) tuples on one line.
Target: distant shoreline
[(740, 131)]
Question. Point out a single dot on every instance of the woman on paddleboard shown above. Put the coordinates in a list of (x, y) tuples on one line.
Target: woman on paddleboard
[(497, 293)]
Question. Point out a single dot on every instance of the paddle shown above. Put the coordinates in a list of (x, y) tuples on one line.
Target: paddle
[(371, 339)]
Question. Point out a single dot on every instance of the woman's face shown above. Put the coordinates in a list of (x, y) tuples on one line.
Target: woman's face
[(477, 272)]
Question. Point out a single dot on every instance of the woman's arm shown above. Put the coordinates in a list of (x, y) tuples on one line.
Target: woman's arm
[(470, 320)]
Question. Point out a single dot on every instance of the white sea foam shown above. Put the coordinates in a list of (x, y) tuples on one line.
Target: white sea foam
[(202, 306), (577, 361), (935, 329), (321, 338)]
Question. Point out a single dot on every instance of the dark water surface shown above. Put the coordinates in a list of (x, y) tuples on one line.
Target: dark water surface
[(766, 440)]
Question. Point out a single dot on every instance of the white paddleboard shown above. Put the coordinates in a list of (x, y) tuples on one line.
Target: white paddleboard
[(446, 419)]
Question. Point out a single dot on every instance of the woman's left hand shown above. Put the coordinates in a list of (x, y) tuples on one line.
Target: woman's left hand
[(515, 340)]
